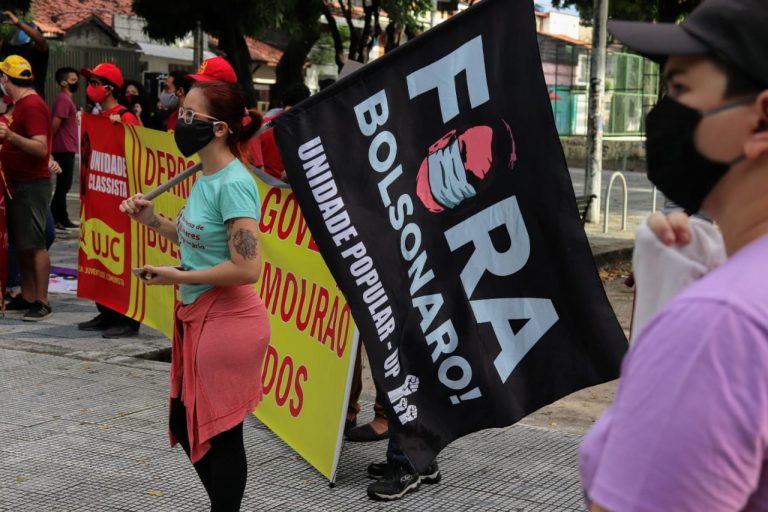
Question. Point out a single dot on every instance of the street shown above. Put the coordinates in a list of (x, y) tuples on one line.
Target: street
[(84, 428)]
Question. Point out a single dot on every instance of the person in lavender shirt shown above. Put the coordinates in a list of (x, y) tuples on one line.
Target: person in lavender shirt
[(689, 428)]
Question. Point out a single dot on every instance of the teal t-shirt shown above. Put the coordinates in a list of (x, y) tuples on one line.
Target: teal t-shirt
[(228, 194)]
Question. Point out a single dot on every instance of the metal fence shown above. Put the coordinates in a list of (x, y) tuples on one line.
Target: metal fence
[(631, 90), (63, 55)]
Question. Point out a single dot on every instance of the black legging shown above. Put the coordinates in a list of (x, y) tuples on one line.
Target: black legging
[(223, 470)]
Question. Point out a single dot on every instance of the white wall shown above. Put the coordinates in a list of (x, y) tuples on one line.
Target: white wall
[(559, 23), (130, 28)]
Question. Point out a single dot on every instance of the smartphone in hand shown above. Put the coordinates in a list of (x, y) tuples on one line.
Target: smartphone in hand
[(142, 274)]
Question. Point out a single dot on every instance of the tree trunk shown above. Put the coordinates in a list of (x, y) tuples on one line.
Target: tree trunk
[(365, 36), (338, 43), (394, 34), (290, 69), (232, 43), (354, 33)]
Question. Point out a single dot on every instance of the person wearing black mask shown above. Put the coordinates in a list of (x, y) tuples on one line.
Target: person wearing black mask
[(64, 143), (134, 99), (689, 429), (222, 326)]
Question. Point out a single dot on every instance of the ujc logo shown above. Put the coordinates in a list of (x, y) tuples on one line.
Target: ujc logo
[(102, 243)]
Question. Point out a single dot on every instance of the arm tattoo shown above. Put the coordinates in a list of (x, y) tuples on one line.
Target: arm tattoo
[(246, 244), (156, 223)]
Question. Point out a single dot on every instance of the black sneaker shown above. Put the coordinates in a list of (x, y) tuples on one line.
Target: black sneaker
[(431, 475), (97, 323), (121, 330), (377, 470), (69, 224), (18, 303), (38, 311), (395, 484)]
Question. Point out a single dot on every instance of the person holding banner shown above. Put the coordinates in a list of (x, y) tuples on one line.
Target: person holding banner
[(215, 68), (105, 82), (688, 429), (221, 326)]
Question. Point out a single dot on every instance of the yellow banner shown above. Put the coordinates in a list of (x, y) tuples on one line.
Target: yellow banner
[(311, 348), (313, 342)]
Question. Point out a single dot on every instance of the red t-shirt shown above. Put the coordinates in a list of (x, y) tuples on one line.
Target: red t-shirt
[(264, 152), (126, 117), (172, 120), (30, 117)]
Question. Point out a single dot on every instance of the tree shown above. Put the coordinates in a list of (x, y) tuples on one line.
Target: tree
[(403, 17), (664, 11), (306, 20), (302, 23), (229, 20)]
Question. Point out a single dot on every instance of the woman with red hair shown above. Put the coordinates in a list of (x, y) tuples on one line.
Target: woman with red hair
[(221, 326)]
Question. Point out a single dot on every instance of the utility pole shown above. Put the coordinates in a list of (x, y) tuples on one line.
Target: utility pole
[(593, 182), (198, 45)]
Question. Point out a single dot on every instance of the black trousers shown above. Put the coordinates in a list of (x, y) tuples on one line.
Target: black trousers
[(223, 470), (114, 318), (63, 185)]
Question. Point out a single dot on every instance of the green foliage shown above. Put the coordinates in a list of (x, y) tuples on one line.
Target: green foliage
[(406, 13), (167, 21), (638, 10), (323, 52)]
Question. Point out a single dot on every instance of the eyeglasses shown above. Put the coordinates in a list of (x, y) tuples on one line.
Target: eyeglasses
[(188, 115), (96, 83)]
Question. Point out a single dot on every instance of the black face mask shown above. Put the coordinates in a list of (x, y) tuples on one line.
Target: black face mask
[(675, 165), (191, 138), (74, 87)]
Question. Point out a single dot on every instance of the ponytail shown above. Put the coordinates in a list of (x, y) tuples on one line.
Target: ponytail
[(251, 123)]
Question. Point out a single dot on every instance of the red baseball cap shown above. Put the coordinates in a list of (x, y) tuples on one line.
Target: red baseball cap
[(215, 68), (105, 71)]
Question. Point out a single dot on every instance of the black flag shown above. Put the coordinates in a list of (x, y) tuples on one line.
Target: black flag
[(435, 186)]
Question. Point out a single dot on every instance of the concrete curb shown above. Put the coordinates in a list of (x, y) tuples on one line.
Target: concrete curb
[(613, 257)]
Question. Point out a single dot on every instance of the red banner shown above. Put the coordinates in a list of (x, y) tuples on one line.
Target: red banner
[(105, 234)]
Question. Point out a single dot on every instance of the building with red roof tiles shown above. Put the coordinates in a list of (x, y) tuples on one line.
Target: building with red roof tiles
[(110, 30), (56, 18)]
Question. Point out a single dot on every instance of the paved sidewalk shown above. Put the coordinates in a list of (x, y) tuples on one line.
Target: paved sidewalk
[(90, 436), (83, 428)]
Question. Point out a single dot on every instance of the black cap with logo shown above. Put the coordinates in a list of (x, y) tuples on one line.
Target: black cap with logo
[(735, 30)]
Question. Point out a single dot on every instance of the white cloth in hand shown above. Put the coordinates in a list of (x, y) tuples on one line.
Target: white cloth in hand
[(662, 271)]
